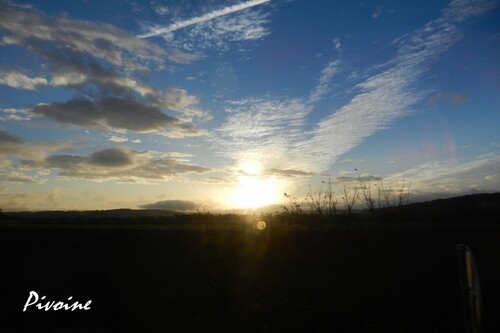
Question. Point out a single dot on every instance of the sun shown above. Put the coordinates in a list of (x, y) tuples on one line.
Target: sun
[(255, 191)]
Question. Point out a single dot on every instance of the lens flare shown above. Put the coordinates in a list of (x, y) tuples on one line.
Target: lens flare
[(261, 225)]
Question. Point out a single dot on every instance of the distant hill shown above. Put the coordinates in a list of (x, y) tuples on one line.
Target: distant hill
[(98, 214), (474, 208)]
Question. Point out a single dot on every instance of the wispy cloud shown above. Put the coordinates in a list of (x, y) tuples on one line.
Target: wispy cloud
[(11, 114), (389, 95), (377, 12), (219, 30), (275, 132), (337, 45), (263, 132), (203, 18), (323, 86), (289, 172), (452, 177)]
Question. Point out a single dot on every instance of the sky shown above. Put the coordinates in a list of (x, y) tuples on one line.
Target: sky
[(222, 104)]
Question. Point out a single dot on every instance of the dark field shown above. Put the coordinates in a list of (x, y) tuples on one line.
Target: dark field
[(391, 279)]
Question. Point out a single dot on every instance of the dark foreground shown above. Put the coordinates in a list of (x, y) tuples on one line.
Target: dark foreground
[(402, 279)]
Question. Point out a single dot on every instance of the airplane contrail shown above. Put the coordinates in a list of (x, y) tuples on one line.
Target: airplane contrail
[(204, 18)]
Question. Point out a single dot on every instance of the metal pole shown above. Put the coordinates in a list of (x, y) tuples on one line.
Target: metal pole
[(470, 288)]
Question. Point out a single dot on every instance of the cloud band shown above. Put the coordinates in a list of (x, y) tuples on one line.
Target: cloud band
[(204, 18)]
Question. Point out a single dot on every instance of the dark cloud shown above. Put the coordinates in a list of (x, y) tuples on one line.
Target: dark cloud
[(107, 158), (18, 155), (289, 172), (7, 138), (178, 205), (115, 113), (368, 178), (91, 78), (15, 146), (100, 40), (111, 158), (62, 161), (159, 167), (98, 61), (122, 165), (11, 145)]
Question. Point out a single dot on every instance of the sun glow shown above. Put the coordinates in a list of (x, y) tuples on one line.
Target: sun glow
[(255, 191)]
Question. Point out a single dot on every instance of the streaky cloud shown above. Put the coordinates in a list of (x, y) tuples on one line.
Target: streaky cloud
[(204, 18), (322, 88), (392, 93), (452, 177), (365, 178), (289, 172), (274, 132), (263, 131)]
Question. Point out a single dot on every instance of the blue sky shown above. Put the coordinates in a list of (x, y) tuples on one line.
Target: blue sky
[(229, 104)]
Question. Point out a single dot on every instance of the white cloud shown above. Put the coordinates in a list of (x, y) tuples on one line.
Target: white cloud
[(12, 114), (219, 32), (262, 132), (336, 44), (162, 10), (460, 10), (451, 177), (18, 80), (389, 95), (274, 131), (119, 139), (323, 86), (67, 79), (204, 18)]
